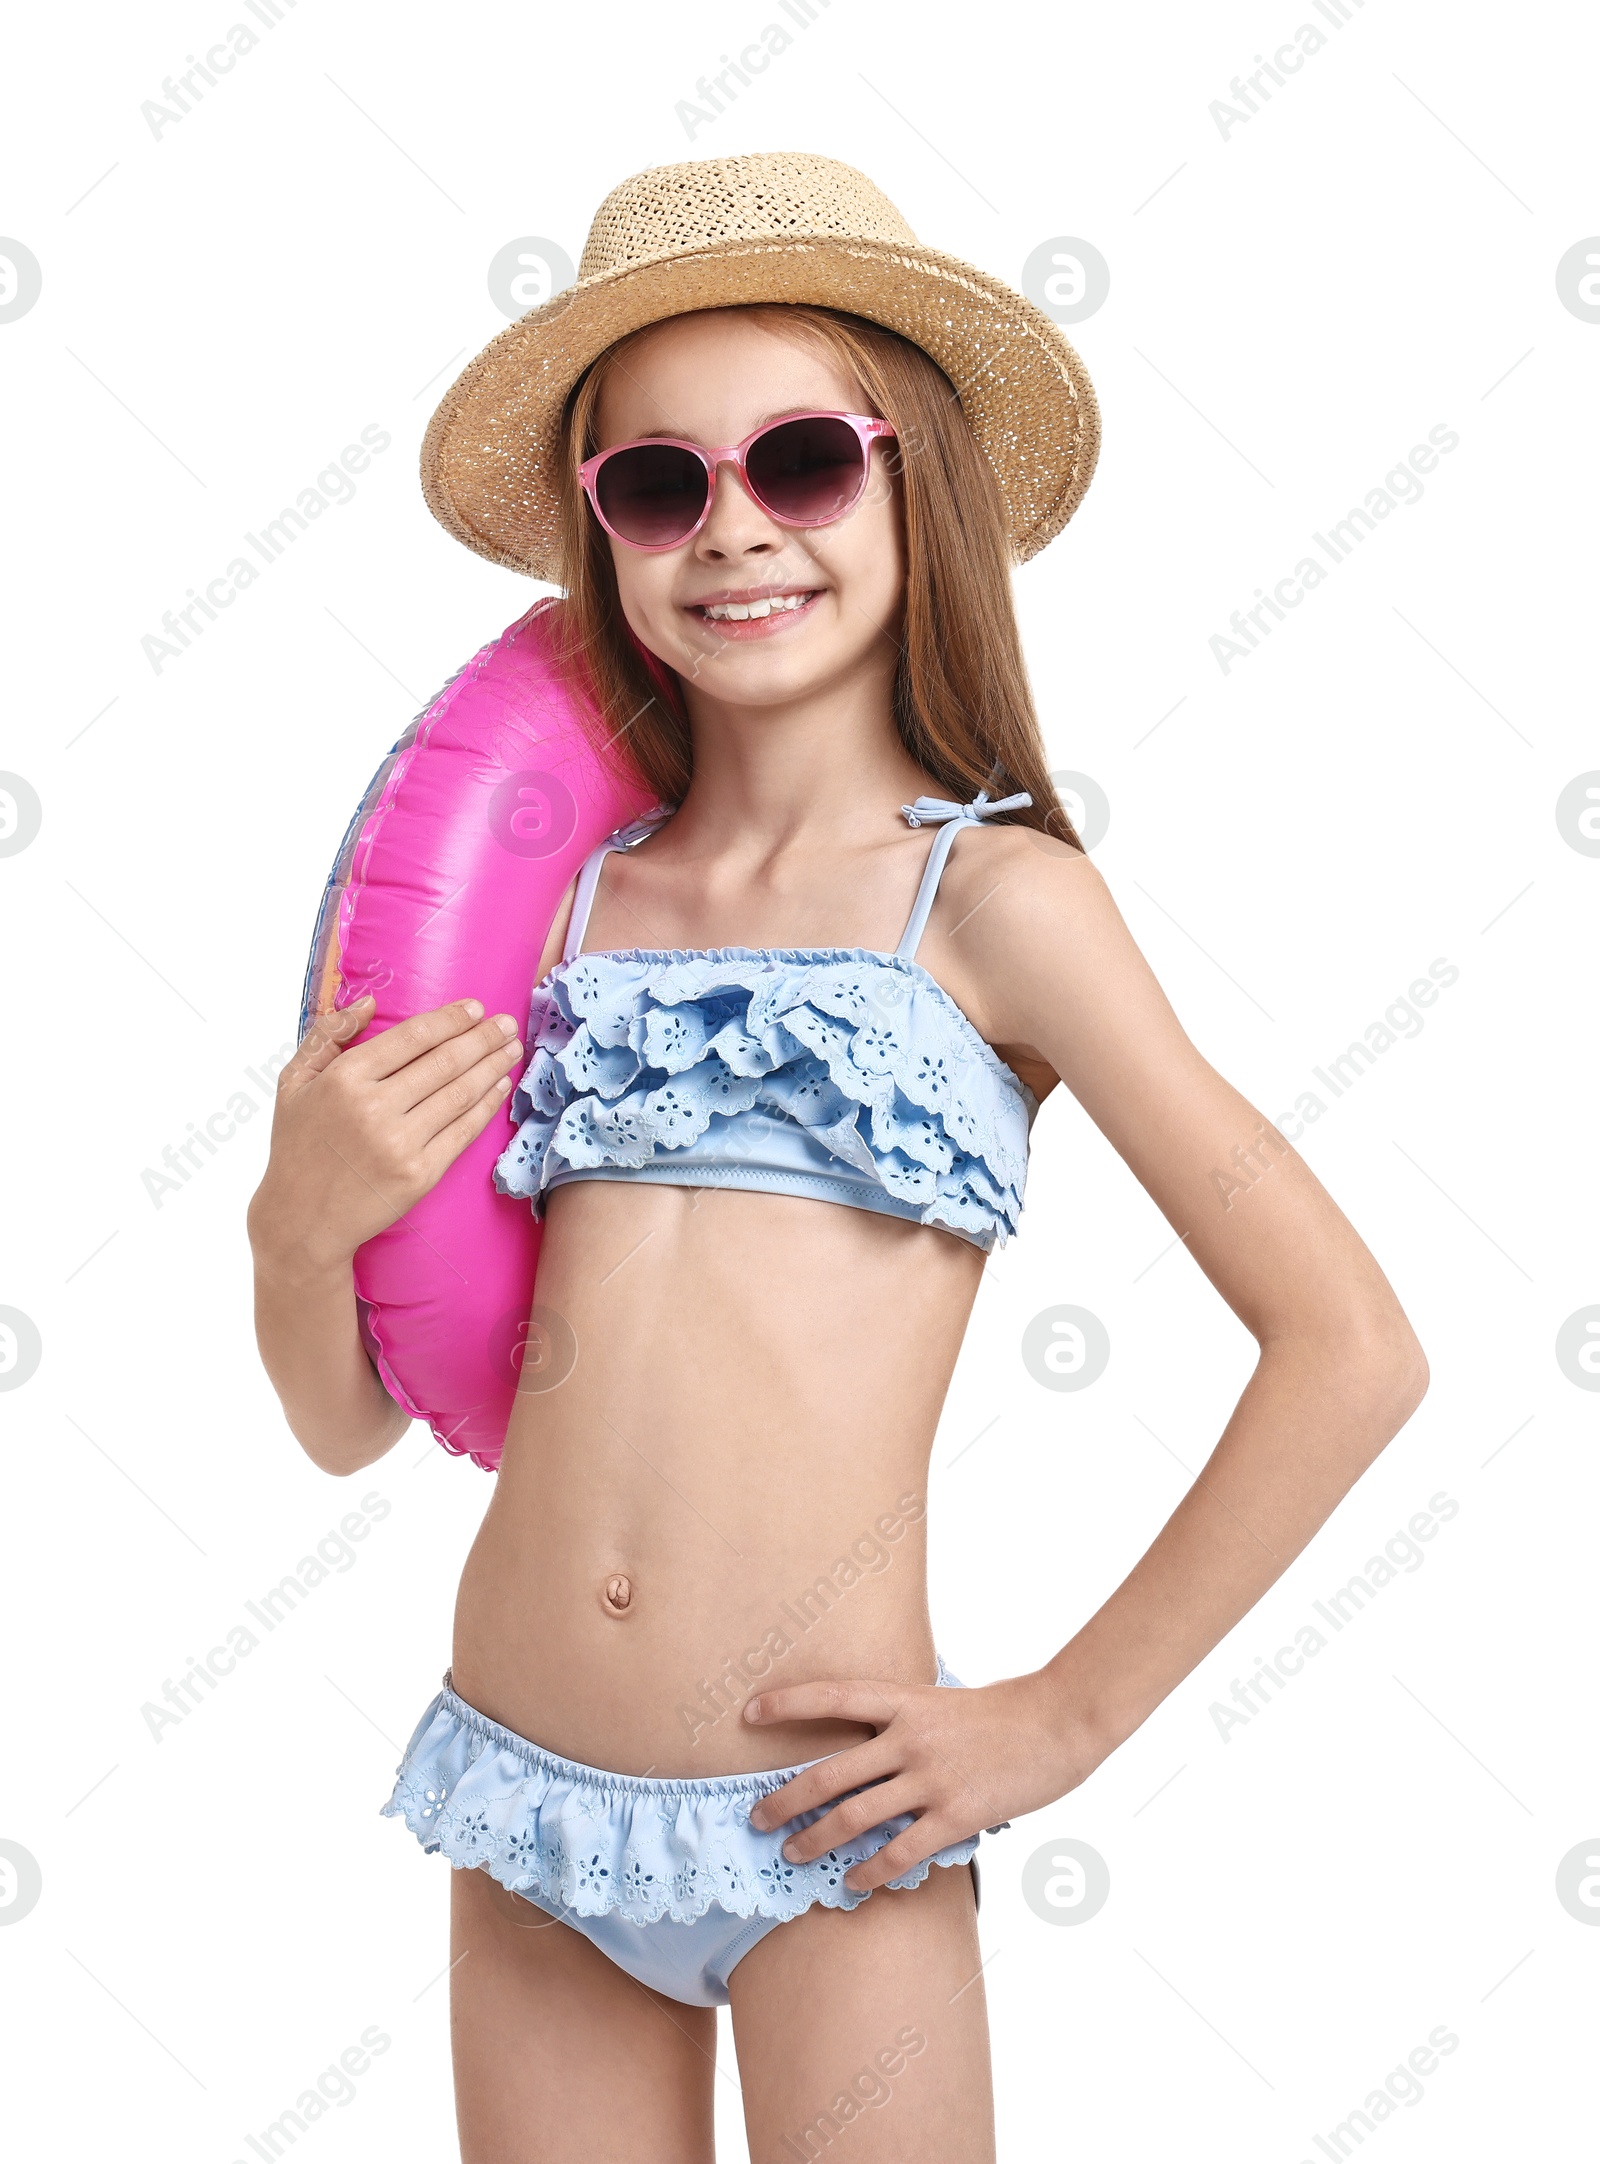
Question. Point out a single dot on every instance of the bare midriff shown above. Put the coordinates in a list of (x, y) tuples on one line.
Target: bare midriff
[(715, 1475)]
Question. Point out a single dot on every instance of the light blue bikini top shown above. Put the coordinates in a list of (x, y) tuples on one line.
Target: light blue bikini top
[(840, 1073)]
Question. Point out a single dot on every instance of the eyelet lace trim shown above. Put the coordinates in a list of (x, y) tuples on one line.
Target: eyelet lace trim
[(592, 1842), (636, 1052)]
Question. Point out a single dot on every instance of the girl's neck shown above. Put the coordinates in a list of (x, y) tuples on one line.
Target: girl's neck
[(787, 774)]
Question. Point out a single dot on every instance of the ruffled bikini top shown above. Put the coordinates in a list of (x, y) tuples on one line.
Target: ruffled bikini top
[(839, 1073)]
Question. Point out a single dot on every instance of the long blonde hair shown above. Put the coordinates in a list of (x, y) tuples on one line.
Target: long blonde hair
[(961, 698)]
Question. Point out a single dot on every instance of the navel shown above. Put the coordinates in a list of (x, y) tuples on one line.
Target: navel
[(616, 1595)]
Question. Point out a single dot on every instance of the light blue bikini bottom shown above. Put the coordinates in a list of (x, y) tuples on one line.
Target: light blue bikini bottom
[(668, 1878)]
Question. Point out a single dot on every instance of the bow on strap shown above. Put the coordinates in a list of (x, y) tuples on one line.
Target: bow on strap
[(933, 811)]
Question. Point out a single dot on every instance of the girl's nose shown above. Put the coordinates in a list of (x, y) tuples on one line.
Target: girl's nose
[(737, 525)]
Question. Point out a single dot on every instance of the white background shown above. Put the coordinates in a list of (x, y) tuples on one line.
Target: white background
[(1292, 1910)]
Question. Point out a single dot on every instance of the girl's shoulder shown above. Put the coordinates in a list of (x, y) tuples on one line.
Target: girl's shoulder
[(1015, 909), (1016, 866)]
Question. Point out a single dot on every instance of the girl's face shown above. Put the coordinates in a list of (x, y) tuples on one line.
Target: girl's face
[(713, 378)]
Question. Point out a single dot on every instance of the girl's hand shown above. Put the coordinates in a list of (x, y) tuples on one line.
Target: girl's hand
[(957, 1760), (358, 1136)]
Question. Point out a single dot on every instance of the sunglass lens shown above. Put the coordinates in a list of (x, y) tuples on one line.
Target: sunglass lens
[(652, 493), (807, 471)]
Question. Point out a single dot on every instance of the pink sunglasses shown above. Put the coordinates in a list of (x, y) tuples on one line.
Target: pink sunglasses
[(805, 470)]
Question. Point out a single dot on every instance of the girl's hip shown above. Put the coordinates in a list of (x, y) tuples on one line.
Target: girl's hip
[(603, 1851)]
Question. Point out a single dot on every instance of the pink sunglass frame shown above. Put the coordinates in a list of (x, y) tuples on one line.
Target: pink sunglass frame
[(868, 429)]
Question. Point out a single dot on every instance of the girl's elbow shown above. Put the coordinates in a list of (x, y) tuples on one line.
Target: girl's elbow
[(1408, 1380), (1373, 1362), (1418, 1374), (1389, 1368), (346, 1453)]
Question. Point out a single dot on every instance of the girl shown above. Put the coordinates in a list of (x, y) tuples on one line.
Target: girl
[(696, 1745)]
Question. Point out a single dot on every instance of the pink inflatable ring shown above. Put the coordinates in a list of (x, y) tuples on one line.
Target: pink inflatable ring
[(445, 887)]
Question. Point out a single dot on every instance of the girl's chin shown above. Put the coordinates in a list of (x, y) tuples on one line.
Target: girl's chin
[(718, 665)]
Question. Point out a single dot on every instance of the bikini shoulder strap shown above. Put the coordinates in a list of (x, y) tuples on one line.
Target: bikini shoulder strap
[(950, 818), (627, 837)]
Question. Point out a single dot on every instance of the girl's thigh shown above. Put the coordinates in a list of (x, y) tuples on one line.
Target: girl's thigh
[(559, 2053), (862, 2033)]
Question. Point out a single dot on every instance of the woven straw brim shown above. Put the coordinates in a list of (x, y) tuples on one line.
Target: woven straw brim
[(492, 457)]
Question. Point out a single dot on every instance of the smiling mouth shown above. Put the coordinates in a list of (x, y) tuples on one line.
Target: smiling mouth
[(757, 609)]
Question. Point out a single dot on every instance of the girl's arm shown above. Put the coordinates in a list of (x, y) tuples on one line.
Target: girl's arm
[(1339, 1370), (358, 1136), (1041, 960)]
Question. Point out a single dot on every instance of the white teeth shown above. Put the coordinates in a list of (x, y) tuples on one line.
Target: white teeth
[(740, 611)]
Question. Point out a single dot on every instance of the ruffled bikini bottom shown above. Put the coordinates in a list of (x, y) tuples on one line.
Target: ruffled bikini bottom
[(668, 1878)]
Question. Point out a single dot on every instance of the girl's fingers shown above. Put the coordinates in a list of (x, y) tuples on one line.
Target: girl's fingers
[(323, 1039), (821, 1783), (443, 1066), (447, 1145), (919, 1841), (395, 1048), (874, 1703), (855, 1816), (437, 1112)]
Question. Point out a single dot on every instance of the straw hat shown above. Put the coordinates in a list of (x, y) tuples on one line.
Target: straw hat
[(719, 232)]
